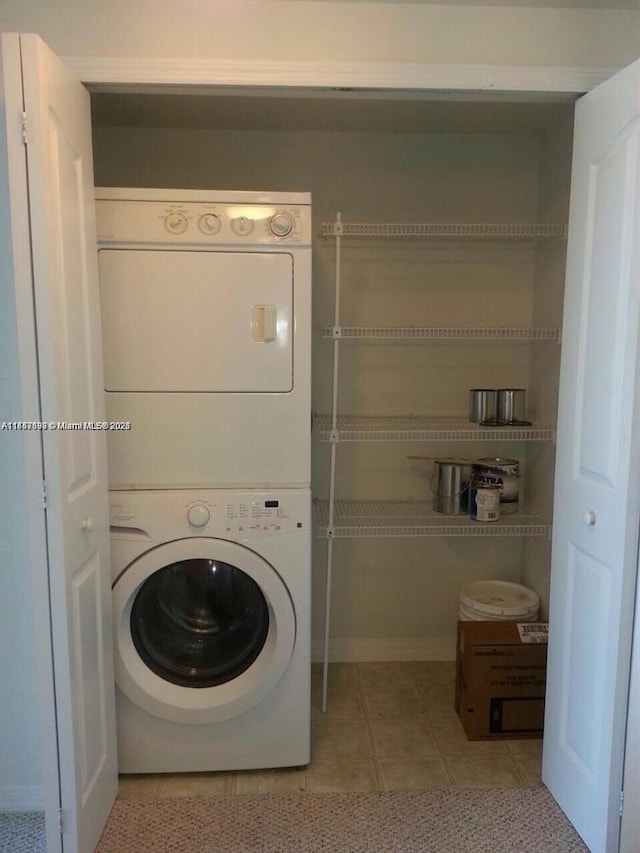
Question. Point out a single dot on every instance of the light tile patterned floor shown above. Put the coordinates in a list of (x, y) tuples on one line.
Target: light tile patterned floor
[(388, 727)]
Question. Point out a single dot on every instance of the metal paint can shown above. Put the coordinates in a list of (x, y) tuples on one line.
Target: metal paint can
[(511, 405), (451, 487), (505, 473), (484, 502), (482, 404)]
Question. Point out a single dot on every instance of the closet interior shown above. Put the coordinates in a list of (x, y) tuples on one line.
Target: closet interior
[(426, 312)]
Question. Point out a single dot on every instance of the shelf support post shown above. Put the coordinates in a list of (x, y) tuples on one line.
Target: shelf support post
[(337, 231)]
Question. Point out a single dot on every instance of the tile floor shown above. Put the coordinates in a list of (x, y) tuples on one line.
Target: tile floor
[(388, 727)]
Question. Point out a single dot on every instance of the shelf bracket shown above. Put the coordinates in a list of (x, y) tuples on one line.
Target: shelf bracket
[(338, 228), (331, 532), (334, 436), (336, 332)]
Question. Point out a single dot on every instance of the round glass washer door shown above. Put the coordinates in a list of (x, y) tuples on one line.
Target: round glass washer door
[(203, 630)]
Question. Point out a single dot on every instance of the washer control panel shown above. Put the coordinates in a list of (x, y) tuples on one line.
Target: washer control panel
[(197, 223), (226, 514), (241, 517)]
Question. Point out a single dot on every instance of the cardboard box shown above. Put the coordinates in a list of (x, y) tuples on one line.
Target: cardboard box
[(501, 670)]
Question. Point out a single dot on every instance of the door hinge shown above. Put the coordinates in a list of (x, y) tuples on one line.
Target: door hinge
[(621, 802), (25, 134), (61, 825), (44, 494)]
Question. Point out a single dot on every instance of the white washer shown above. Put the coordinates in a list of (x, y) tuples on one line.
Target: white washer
[(206, 325), (211, 610)]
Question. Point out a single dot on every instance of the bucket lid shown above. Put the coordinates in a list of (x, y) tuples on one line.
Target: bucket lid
[(499, 598)]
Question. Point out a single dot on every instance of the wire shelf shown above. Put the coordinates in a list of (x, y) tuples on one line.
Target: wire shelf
[(415, 518), (420, 334), (410, 230), (418, 428)]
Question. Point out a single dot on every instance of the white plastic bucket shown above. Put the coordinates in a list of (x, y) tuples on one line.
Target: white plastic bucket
[(498, 601)]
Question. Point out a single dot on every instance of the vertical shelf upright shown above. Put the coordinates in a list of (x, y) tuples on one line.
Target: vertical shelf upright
[(338, 231)]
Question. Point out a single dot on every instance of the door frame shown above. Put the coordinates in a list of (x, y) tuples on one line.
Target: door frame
[(139, 75), (130, 75)]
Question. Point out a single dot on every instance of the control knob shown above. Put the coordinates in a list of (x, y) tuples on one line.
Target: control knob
[(176, 223), (281, 224), (209, 224), (198, 515), (242, 226)]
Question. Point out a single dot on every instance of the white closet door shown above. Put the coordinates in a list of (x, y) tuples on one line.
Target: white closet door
[(65, 295), (597, 499)]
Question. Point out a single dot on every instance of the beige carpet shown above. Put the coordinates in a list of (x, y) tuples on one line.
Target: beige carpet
[(450, 821)]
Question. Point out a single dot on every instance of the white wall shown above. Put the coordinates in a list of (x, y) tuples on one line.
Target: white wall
[(279, 30), (548, 304)]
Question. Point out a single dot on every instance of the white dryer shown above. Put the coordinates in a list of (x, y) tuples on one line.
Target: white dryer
[(206, 311), (211, 610)]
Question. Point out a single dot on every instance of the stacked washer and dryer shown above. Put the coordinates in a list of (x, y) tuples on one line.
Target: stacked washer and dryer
[(206, 304)]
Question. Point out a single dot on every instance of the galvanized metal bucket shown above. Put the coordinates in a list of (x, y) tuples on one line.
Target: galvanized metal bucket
[(450, 487)]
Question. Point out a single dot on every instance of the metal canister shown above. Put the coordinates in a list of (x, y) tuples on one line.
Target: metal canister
[(484, 501), (504, 473)]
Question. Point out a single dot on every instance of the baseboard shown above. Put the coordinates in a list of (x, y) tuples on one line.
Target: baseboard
[(439, 648), (26, 798)]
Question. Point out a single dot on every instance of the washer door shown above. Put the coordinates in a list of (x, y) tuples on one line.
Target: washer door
[(203, 628)]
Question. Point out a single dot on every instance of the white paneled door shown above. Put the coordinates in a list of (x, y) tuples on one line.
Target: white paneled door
[(597, 495), (63, 279)]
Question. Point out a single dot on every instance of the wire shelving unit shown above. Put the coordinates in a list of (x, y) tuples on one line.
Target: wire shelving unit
[(337, 519)]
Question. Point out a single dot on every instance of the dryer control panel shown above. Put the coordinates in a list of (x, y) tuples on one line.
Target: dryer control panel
[(203, 223)]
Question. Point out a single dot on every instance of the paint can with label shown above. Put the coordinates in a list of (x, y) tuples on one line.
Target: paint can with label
[(484, 501), (504, 473)]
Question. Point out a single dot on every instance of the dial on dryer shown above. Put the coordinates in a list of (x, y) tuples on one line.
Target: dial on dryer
[(281, 224)]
